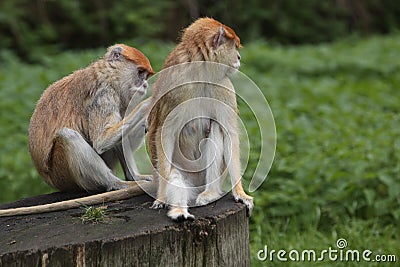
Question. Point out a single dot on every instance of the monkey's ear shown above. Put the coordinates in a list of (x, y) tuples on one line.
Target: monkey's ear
[(219, 38), (115, 54)]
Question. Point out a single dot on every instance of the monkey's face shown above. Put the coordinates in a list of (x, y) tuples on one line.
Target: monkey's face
[(236, 60), (129, 70), (133, 79), (140, 80), (228, 54)]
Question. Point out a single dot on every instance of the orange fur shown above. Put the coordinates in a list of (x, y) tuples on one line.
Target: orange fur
[(137, 57), (207, 27), (196, 42)]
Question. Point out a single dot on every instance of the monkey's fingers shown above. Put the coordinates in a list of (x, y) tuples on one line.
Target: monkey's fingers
[(157, 204), (140, 177), (180, 214), (247, 200)]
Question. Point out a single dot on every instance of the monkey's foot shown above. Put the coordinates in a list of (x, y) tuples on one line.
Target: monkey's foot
[(157, 204), (140, 177), (245, 199), (120, 185), (144, 177), (180, 214), (207, 197)]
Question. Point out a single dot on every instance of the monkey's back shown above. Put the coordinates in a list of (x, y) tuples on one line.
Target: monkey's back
[(61, 105)]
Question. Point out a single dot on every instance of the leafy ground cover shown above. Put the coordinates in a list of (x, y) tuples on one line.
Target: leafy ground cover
[(336, 172), (336, 169)]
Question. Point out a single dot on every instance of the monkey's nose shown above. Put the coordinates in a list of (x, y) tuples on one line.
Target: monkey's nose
[(145, 85), (239, 57)]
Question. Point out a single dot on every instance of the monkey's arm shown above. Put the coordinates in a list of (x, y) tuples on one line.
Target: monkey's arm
[(106, 125), (132, 141), (232, 160)]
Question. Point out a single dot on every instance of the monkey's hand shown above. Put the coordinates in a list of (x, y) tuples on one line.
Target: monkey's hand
[(141, 177), (245, 199), (137, 116), (157, 204)]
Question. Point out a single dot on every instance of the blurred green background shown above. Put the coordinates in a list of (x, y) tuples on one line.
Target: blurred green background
[(329, 69)]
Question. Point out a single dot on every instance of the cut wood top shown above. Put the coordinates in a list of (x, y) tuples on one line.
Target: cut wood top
[(128, 218)]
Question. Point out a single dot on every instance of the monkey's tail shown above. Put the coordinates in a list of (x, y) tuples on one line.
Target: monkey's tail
[(134, 190)]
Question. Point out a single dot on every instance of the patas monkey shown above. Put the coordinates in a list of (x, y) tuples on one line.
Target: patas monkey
[(76, 129), (197, 122)]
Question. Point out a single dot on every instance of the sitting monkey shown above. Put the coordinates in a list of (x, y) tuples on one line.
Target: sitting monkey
[(76, 129)]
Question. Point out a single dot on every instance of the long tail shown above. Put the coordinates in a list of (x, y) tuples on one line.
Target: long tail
[(121, 194)]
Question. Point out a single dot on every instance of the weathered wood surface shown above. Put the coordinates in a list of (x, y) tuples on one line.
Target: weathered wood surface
[(133, 235)]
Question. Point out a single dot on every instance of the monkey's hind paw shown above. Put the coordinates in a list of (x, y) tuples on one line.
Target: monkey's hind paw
[(120, 185), (207, 197), (157, 204), (247, 200), (141, 177), (148, 178), (180, 214)]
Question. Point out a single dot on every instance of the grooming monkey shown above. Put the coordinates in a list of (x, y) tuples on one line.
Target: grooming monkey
[(192, 127), (76, 129)]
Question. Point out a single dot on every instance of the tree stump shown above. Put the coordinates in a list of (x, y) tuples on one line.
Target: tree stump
[(132, 235)]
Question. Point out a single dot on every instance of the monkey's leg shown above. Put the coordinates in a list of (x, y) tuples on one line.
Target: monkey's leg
[(161, 201), (213, 151), (164, 154), (111, 159), (129, 171), (113, 156), (172, 189), (132, 140), (232, 160), (77, 158), (178, 194)]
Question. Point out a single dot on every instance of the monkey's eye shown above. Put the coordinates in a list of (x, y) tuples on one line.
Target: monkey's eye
[(142, 73)]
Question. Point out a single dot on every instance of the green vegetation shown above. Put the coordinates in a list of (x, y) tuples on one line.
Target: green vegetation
[(336, 172), (93, 215), (34, 27), (337, 166)]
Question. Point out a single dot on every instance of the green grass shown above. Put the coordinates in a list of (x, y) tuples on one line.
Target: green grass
[(337, 167), (93, 215), (336, 172)]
